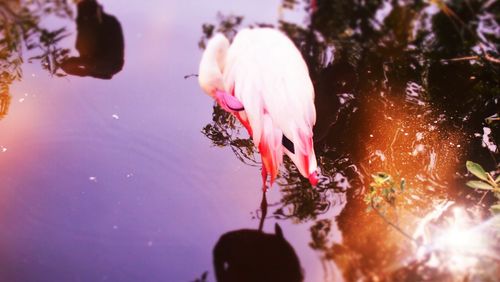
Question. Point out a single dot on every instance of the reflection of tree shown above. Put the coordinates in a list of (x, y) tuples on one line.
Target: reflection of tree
[(302, 203), (21, 28), (224, 131), (297, 202), (423, 77), (4, 104), (226, 24)]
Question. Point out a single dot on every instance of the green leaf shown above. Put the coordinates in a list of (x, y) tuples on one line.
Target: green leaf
[(380, 178), (385, 192), (476, 184), (477, 170), (368, 199), (495, 209)]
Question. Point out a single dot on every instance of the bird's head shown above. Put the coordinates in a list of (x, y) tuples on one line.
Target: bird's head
[(312, 170), (314, 178), (212, 65)]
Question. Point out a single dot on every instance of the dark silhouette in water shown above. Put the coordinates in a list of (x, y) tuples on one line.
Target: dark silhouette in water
[(250, 255), (99, 42)]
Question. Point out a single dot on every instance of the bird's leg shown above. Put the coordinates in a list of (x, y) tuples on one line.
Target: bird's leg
[(263, 211), (264, 178)]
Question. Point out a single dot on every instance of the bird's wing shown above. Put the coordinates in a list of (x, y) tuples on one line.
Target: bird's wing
[(266, 72), (269, 76)]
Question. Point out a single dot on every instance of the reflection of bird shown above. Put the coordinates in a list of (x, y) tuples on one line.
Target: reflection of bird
[(263, 80), (99, 42), (250, 255)]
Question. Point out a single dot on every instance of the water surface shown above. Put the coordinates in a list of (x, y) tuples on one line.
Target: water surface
[(136, 178)]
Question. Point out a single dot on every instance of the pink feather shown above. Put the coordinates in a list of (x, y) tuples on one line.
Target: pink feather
[(268, 76)]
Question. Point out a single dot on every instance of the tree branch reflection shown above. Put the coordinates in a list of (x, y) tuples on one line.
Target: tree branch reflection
[(413, 110), (21, 28)]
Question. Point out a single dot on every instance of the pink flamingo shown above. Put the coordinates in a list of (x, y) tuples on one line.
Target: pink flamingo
[(263, 80)]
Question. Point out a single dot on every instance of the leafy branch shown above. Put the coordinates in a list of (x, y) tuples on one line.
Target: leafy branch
[(486, 183), (383, 192), (21, 29)]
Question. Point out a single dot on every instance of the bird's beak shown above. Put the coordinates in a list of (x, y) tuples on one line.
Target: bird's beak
[(228, 102)]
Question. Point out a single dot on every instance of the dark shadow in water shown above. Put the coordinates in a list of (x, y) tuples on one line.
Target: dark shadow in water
[(250, 255), (99, 42)]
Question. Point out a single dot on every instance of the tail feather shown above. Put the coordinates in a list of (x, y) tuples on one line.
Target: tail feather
[(270, 147), (304, 156), (306, 142)]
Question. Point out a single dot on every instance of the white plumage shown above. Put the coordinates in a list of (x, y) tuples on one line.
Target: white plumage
[(266, 73)]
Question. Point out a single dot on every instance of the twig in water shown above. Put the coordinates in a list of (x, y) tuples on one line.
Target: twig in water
[(394, 225), (392, 143), (474, 58), (481, 200), (190, 75)]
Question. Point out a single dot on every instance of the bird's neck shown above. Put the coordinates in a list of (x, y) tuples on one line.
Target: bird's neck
[(212, 64)]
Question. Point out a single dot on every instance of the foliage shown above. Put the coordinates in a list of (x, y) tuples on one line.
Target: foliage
[(383, 191), (4, 104), (301, 203), (224, 131), (21, 29), (319, 234), (227, 25), (486, 182)]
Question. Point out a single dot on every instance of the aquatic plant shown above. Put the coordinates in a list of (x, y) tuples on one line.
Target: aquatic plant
[(485, 182), (383, 190)]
